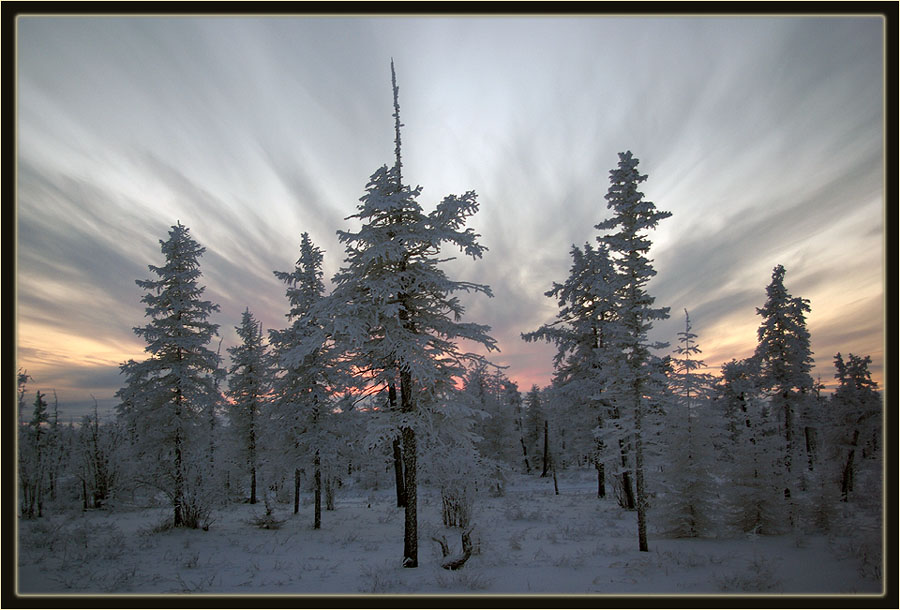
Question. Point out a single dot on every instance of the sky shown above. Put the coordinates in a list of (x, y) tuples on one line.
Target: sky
[(763, 136)]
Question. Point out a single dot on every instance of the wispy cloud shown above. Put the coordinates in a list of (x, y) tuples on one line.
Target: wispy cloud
[(763, 137)]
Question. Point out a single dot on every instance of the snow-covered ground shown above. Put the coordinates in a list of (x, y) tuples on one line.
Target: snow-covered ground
[(528, 541)]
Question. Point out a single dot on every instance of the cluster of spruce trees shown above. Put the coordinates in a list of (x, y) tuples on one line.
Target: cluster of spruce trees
[(371, 376), (756, 449)]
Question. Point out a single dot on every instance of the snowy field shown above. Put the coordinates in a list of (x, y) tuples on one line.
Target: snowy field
[(528, 541)]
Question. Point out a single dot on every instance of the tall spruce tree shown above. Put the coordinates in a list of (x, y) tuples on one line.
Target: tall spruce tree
[(165, 395), (785, 361), (392, 311), (587, 332), (628, 246), (248, 389), (307, 373)]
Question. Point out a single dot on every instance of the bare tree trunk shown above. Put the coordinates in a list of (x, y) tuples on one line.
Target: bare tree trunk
[(398, 473), (847, 470), (546, 465), (810, 434), (601, 478), (788, 443), (410, 524), (296, 490), (627, 487), (317, 521), (398, 452), (641, 495), (178, 498), (525, 454), (252, 459), (598, 464), (639, 472)]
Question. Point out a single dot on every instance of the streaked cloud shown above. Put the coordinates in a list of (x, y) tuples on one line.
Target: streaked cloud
[(763, 136)]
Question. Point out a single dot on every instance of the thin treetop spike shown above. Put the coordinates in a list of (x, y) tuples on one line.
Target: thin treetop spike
[(397, 123)]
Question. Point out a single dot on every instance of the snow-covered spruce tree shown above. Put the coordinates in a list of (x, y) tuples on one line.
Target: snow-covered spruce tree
[(22, 378), (217, 477), (165, 396), (534, 425), (392, 311), (483, 393), (855, 425), (753, 463), (571, 441), (96, 466), (785, 361), (688, 507), (307, 373), (450, 438), (33, 456), (248, 390), (628, 247), (587, 332), (565, 440), (57, 449), (513, 398)]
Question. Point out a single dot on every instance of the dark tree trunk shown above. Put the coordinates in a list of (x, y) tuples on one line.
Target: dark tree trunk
[(525, 454), (788, 444), (601, 478), (252, 461), (626, 500), (627, 488), (847, 470), (296, 490), (546, 464), (317, 521), (398, 473), (178, 498), (639, 468), (599, 465), (410, 524), (398, 452), (641, 497), (810, 434)]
